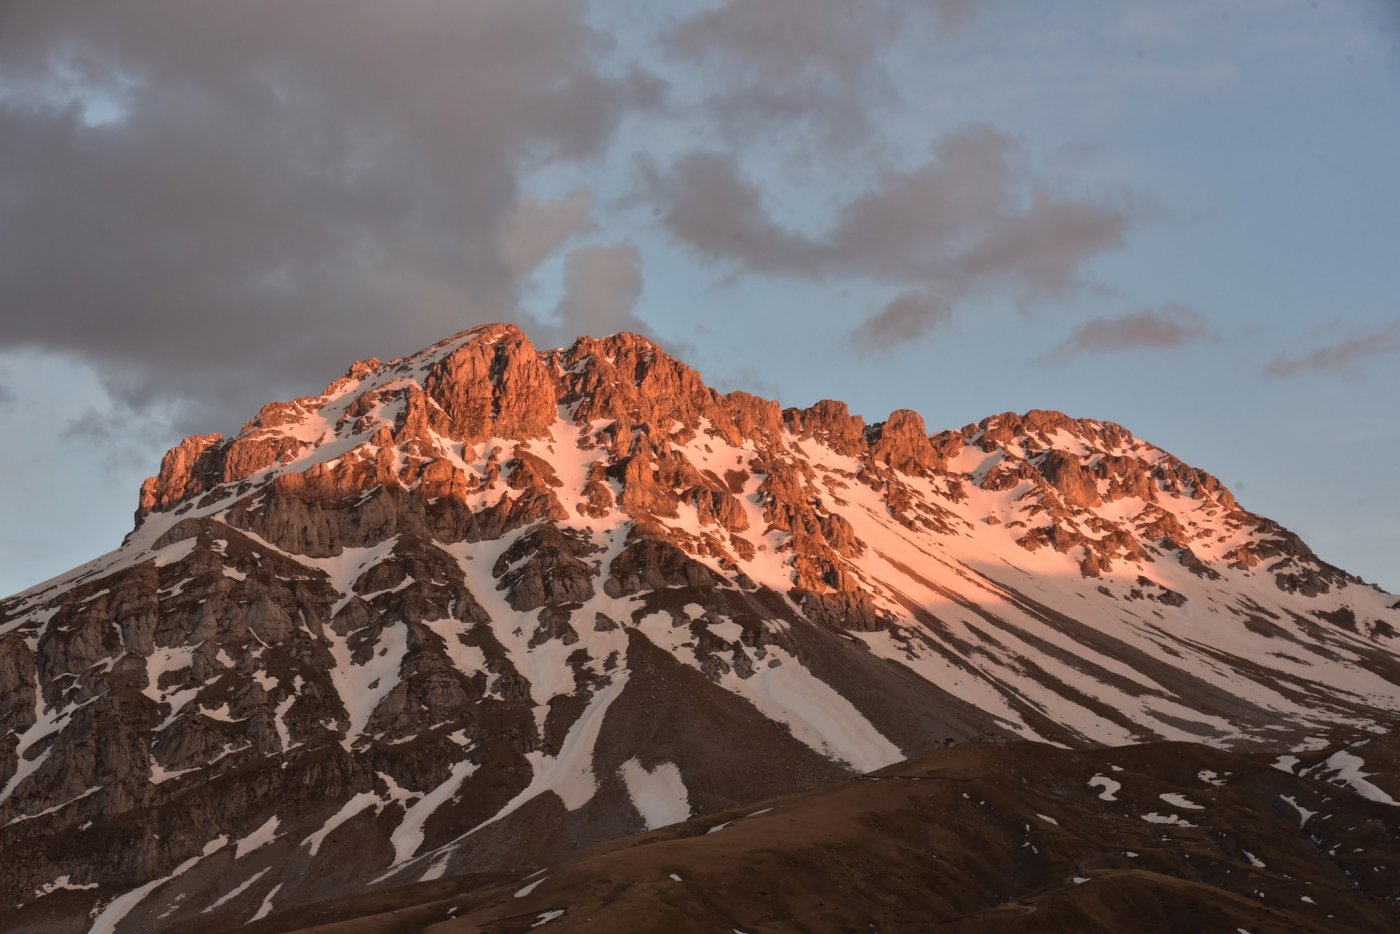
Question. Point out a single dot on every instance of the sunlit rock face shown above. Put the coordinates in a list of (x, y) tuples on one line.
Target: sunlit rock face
[(477, 608)]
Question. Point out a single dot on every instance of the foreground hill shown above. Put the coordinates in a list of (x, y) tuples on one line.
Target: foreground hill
[(481, 607), (980, 838)]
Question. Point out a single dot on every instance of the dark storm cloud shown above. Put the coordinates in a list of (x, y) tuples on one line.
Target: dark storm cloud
[(1150, 329), (972, 217), (215, 202), (771, 62), (1338, 358)]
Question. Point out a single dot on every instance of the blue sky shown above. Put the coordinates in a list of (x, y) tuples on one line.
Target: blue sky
[(1178, 217)]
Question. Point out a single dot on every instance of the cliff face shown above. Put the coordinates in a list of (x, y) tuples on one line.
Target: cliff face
[(486, 604)]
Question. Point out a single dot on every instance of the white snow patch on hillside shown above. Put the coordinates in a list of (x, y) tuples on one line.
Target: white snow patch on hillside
[(362, 687), (61, 884), (1154, 818), (355, 805), (265, 908), (1303, 813), (468, 659), (1180, 801), (1109, 786), (659, 794), (408, 836), (728, 630), (243, 886), (1346, 767), (815, 713), (258, 838), (569, 774), (118, 908)]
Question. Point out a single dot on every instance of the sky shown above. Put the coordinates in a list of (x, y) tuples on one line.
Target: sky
[(1181, 217)]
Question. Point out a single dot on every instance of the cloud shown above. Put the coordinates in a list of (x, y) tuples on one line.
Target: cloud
[(219, 202), (601, 287), (535, 230), (7, 395), (1343, 357), (972, 217), (1150, 329), (770, 63), (122, 437), (906, 317)]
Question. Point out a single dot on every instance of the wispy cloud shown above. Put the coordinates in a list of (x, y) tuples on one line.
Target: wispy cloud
[(906, 317), (971, 217), (1343, 357), (777, 63), (1162, 328)]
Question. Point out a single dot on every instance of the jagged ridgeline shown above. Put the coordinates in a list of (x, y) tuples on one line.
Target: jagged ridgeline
[(475, 609)]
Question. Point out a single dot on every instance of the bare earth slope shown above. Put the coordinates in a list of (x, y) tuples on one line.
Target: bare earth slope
[(476, 609), (980, 838)]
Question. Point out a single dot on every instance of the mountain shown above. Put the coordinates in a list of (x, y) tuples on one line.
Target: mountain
[(477, 609)]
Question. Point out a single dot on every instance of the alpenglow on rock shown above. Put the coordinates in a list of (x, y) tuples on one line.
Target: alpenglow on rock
[(474, 609)]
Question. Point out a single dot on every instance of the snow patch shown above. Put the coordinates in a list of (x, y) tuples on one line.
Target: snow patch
[(119, 907), (1303, 813), (659, 795), (408, 836), (1346, 768), (244, 886), (1153, 817), (1109, 786), (62, 884), (258, 838)]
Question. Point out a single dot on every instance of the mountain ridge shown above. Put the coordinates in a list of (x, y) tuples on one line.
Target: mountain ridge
[(484, 605)]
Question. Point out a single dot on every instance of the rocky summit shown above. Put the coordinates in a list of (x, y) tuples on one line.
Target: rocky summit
[(469, 613)]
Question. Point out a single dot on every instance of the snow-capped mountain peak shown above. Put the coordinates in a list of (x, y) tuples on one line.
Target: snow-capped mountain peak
[(488, 599)]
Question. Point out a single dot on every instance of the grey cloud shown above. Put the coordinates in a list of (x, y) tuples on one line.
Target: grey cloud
[(785, 38), (973, 217), (123, 437), (7, 395), (535, 230), (774, 61), (906, 317), (217, 202), (1338, 358), (1150, 329), (706, 204), (601, 287)]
